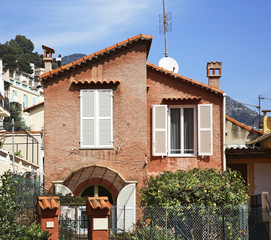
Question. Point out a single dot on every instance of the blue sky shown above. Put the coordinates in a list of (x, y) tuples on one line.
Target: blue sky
[(236, 32)]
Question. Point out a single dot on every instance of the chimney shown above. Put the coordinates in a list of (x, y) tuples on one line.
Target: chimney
[(48, 59), (214, 73), (266, 122), (59, 61)]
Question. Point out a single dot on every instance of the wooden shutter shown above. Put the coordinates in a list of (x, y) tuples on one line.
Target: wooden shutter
[(159, 130), (205, 131), (105, 118), (87, 109)]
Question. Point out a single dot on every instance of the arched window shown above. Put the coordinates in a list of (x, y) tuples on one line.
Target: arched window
[(98, 191)]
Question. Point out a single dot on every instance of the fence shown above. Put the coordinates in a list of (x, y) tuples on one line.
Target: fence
[(188, 222)]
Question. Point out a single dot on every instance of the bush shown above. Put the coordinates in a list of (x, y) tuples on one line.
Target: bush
[(200, 187)]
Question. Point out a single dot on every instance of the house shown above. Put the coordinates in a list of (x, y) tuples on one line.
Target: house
[(35, 116), (112, 120), (249, 152), (22, 88)]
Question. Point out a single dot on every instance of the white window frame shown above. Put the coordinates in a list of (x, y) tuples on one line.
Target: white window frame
[(96, 119), (182, 154)]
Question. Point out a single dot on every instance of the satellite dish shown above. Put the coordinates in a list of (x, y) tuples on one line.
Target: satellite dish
[(169, 64)]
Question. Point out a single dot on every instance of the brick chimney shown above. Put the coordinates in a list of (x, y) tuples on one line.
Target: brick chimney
[(48, 59), (214, 73)]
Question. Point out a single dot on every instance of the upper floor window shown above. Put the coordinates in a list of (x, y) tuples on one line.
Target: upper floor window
[(96, 118), (182, 130)]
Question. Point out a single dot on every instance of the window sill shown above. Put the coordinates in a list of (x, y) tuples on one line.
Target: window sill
[(182, 156), (96, 148)]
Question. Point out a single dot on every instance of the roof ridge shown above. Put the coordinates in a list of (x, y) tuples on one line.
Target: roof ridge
[(184, 78), (96, 54)]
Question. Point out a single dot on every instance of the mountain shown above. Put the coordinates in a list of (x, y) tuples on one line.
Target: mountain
[(234, 109), (241, 113), (71, 58)]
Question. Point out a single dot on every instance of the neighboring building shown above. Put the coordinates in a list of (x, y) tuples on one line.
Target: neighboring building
[(24, 89), (249, 152), (112, 120), (36, 116)]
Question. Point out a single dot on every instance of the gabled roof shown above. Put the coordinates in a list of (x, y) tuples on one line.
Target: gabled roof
[(94, 56), (183, 78), (32, 107), (243, 125)]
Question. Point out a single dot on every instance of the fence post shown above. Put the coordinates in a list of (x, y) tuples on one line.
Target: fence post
[(98, 210), (49, 209)]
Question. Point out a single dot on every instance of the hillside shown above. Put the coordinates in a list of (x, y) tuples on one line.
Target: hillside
[(241, 113), (71, 58)]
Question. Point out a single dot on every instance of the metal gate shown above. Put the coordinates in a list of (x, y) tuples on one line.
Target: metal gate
[(73, 223)]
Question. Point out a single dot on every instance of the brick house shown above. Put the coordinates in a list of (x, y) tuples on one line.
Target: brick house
[(111, 120)]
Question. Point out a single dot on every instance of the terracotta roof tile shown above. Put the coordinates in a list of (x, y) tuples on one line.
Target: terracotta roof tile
[(96, 82), (180, 77), (30, 108), (99, 203), (49, 202), (243, 125), (97, 54), (182, 98)]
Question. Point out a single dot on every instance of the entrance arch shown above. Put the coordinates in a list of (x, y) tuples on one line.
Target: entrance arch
[(85, 177)]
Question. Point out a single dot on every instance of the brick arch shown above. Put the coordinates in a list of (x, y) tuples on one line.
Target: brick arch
[(95, 174)]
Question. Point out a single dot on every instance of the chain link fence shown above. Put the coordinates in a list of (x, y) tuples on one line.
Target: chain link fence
[(187, 222)]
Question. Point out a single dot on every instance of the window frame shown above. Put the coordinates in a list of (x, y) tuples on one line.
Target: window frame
[(96, 119), (182, 107)]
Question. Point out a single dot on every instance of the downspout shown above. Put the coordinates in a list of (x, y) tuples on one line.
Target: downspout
[(224, 132)]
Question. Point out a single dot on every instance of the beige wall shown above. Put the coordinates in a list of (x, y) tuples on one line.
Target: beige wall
[(36, 118)]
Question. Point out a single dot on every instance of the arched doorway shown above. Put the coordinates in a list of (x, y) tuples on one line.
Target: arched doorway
[(97, 190)]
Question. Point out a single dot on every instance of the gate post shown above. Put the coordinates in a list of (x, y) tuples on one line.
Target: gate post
[(49, 209), (98, 210)]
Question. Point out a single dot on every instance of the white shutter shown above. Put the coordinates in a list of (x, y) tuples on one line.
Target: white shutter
[(87, 113), (126, 208), (159, 130), (205, 130), (105, 118)]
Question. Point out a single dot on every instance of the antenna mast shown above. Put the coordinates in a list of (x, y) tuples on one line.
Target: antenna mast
[(165, 27)]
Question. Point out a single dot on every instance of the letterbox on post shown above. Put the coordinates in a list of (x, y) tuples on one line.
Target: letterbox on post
[(49, 209), (98, 210)]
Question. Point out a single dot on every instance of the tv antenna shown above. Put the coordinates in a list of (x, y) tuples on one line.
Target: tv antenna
[(165, 25)]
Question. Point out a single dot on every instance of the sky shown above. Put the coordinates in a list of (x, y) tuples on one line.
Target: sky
[(234, 32)]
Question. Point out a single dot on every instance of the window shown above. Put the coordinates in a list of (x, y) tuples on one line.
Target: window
[(182, 130), (25, 101), (96, 114)]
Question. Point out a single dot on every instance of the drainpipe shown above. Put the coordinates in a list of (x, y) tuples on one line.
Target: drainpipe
[(224, 132)]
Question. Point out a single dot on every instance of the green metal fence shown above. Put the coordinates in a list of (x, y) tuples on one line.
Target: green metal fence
[(189, 222)]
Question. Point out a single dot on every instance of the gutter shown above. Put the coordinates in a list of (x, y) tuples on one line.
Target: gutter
[(224, 167)]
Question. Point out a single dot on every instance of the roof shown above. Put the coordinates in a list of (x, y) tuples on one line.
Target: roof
[(99, 203), (49, 202), (183, 98), (96, 81), (32, 107), (183, 78), (243, 125), (260, 139), (94, 56)]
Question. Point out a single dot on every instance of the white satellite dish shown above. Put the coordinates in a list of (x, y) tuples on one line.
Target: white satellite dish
[(169, 64)]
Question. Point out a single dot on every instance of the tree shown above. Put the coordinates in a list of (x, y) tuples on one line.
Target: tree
[(18, 53), (200, 187), (15, 114), (11, 227)]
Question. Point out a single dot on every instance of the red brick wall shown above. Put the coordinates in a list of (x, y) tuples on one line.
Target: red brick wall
[(62, 118), (163, 86)]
